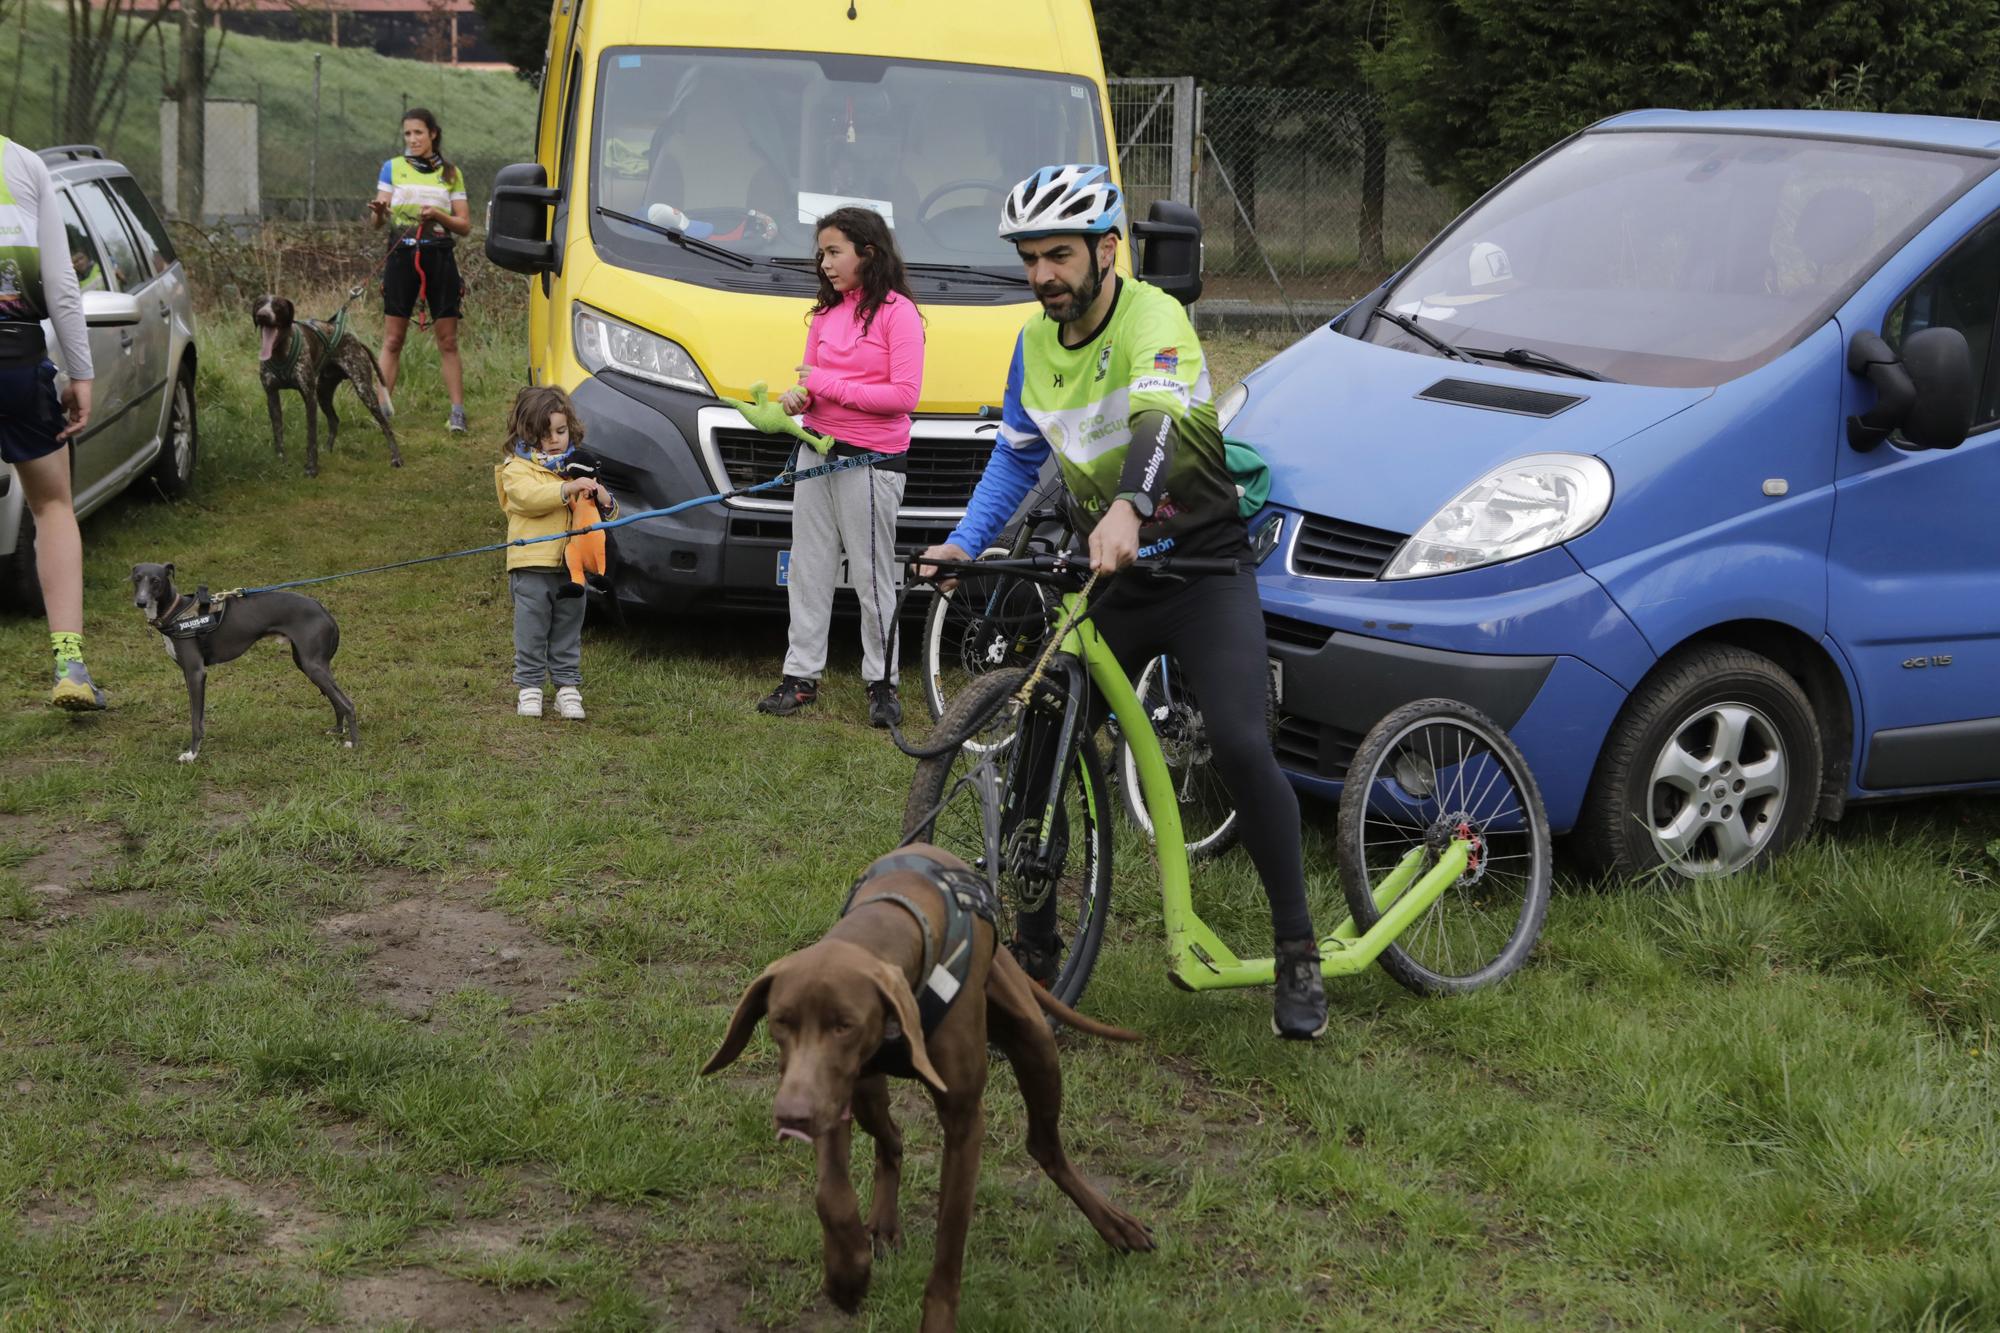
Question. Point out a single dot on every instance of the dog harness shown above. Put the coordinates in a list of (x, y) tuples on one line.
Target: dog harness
[(192, 615), (966, 895)]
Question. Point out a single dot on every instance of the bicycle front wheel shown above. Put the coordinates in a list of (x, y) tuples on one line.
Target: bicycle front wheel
[(1431, 772), (1208, 812), (999, 769)]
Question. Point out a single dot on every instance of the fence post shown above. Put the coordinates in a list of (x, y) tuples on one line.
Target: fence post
[(1183, 177), (312, 163)]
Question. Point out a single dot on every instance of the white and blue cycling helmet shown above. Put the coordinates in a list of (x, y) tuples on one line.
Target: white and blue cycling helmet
[(1060, 200)]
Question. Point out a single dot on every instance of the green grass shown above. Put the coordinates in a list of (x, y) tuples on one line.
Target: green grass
[(488, 116), (409, 1035)]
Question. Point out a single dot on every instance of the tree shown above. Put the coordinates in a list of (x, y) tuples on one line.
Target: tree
[(99, 39), (1477, 87), (520, 28), (188, 86)]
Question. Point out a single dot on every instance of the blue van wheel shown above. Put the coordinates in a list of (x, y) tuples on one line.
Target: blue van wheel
[(1714, 765)]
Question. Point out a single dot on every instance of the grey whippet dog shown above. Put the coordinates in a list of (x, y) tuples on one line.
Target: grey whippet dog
[(201, 633)]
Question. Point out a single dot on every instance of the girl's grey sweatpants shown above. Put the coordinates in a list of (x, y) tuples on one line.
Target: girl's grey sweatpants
[(548, 630), (852, 511)]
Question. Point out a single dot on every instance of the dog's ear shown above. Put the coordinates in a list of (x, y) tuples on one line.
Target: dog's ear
[(896, 994), (169, 567), (749, 1010)]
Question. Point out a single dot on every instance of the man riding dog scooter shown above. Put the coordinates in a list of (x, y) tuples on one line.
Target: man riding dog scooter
[(1111, 378)]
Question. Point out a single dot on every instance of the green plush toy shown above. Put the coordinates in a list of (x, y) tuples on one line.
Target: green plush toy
[(771, 419)]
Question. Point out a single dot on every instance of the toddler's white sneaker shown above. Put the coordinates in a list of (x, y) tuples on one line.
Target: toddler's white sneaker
[(569, 703), (530, 702)]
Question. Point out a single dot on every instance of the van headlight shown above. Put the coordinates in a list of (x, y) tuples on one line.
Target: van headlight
[(604, 343), (1227, 406), (1518, 508)]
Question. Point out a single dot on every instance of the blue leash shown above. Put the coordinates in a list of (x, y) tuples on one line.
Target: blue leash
[(787, 477)]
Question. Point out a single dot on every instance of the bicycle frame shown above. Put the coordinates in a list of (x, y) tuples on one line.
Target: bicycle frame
[(1197, 959)]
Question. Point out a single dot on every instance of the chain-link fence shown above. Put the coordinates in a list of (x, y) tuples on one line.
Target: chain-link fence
[(1306, 200)]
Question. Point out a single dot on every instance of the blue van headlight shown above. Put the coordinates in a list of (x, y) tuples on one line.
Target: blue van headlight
[(1521, 507), (605, 343), (1227, 406)]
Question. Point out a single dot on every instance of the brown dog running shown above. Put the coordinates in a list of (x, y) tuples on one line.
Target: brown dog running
[(845, 1015), (294, 354)]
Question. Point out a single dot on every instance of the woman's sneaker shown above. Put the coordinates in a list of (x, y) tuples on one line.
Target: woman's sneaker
[(74, 690), (456, 424), (569, 703), (792, 694), (530, 702), (1298, 1005), (884, 708)]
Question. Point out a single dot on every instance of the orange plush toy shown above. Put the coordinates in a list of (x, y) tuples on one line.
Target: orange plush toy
[(584, 552)]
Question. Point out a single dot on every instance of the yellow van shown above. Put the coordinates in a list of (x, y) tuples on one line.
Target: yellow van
[(684, 152)]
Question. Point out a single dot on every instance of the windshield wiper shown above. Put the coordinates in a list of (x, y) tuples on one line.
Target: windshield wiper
[(1529, 359), (968, 273), (680, 238), (1409, 325)]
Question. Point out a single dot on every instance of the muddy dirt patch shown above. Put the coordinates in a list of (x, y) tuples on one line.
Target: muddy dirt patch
[(422, 950), (69, 859), (287, 1226), (422, 1298)]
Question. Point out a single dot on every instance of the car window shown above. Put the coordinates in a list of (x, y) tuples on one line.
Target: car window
[(82, 251), (1961, 291), (114, 243), (157, 246)]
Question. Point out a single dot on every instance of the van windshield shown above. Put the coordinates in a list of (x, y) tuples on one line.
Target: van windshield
[(1672, 258), (745, 150)]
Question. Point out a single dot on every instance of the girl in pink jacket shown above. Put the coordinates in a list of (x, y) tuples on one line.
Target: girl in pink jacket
[(863, 372)]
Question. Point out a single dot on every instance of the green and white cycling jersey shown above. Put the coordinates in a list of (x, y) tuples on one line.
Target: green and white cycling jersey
[(1079, 403)]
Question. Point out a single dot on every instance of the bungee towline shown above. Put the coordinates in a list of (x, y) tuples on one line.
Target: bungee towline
[(785, 478)]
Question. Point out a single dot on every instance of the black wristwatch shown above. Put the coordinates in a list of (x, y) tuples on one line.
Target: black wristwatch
[(1142, 503)]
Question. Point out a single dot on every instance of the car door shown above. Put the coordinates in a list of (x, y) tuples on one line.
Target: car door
[(96, 453), (1913, 570), (143, 345)]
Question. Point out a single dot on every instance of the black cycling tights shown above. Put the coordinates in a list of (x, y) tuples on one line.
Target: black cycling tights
[(1214, 628)]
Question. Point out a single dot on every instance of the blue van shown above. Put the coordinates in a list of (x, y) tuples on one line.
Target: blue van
[(1676, 454)]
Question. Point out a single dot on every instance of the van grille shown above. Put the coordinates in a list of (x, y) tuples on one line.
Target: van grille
[(1500, 397), (1314, 748), (942, 472), (1295, 633), (1329, 548)]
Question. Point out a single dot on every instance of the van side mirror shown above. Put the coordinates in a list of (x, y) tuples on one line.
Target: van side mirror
[(517, 219), (1927, 393), (1940, 364), (103, 310), (1169, 242)]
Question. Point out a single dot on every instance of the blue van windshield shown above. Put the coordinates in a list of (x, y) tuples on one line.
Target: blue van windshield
[(1672, 258), (745, 150)]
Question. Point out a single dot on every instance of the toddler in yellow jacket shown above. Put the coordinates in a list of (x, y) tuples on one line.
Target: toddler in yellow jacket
[(542, 432)]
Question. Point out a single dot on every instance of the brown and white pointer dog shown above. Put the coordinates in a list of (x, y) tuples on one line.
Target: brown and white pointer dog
[(306, 364), (845, 1015)]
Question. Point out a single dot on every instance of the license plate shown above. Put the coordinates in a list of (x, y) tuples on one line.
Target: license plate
[(1277, 680), (844, 579)]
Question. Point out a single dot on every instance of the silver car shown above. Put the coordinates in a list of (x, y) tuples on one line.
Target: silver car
[(141, 319)]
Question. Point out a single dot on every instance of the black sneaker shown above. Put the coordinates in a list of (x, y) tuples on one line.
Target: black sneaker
[(1040, 959), (884, 708), (1298, 1005), (792, 694)]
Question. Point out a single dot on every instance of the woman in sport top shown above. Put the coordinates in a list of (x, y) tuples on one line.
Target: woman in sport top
[(422, 198)]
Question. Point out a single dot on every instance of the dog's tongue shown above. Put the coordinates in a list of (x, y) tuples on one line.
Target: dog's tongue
[(268, 344), (789, 1133)]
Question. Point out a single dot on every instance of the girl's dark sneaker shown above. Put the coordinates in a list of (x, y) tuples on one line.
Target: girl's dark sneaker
[(792, 694), (1298, 1005), (884, 708)]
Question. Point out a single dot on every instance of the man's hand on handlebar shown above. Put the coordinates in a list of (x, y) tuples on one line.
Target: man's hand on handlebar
[(942, 551), (1114, 542)]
